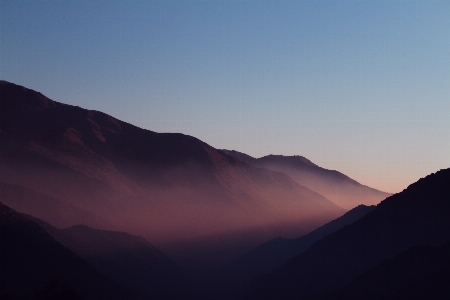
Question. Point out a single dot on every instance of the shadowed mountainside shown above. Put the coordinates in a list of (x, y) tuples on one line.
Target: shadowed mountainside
[(168, 188), (274, 253), (229, 280), (419, 273), (129, 260), (34, 264), (417, 216), (334, 185)]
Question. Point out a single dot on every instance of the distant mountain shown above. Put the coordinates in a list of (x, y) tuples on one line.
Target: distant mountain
[(55, 211), (127, 259), (169, 188), (274, 253), (334, 185), (418, 216), (33, 264), (418, 273)]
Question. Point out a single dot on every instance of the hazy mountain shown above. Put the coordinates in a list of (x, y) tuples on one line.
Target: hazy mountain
[(419, 273), (416, 216), (334, 185), (127, 259), (34, 264), (274, 253), (55, 211), (169, 188)]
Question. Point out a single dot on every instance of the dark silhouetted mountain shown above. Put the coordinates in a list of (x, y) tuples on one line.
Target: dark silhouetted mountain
[(34, 264), (55, 211), (274, 253), (418, 216), (129, 260), (334, 185), (169, 188), (419, 273)]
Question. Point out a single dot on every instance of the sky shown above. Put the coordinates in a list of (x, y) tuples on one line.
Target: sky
[(362, 87)]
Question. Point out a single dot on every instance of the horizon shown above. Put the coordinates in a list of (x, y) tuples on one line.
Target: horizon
[(357, 87)]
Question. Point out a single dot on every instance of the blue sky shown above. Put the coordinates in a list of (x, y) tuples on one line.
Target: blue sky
[(362, 87)]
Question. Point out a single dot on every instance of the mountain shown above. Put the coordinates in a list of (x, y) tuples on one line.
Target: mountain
[(129, 260), (169, 188), (34, 264), (274, 253), (418, 216), (418, 273), (337, 187), (46, 207)]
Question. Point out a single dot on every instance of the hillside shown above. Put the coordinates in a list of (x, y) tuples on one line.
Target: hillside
[(418, 216), (274, 253), (334, 185), (169, 188), (33, 264), (419, 273), (46, 207), (129, 260)]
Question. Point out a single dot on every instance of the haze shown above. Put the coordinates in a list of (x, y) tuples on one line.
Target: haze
[(357, 86)]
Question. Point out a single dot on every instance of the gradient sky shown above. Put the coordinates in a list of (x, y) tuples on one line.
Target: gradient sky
[(362, 87)]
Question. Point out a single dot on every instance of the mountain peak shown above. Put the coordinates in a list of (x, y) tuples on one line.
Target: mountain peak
[(334, 185)]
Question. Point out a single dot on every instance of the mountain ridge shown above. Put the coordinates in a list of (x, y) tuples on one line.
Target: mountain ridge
[(334, 185), (163, 186), (33, 262), (272, 254), (417, 216), (129, 260)]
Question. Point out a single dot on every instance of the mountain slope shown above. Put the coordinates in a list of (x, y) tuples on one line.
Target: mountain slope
[(274, 253), (418, 273), (129, 260), (166, 187), (45, 207), (334, 185), (417, 216), (33, 262)]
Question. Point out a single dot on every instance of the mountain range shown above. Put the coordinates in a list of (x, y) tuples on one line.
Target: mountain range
[(96, 208), (334, 185), (169, 188)]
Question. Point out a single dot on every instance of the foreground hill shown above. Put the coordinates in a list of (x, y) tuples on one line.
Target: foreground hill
[(418, 216), (129, 260), (168, 188), (34, 264), (419, 273), (334, 185)]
